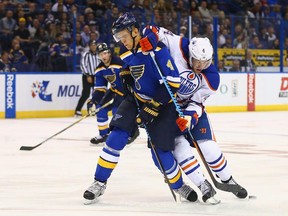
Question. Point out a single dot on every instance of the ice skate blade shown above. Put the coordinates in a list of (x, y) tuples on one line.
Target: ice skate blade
[(90, 202), (252, 197), (97, 145), (212, 201)]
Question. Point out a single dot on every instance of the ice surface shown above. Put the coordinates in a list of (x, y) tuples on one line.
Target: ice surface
[(51, 179)]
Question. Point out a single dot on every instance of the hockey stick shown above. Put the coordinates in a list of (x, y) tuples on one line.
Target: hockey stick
[(220, 186), (156, 155), (29, 148)]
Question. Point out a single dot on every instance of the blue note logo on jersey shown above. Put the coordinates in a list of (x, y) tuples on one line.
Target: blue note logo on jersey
[(189, 83), (137, 72), (40, 89), (111, 78)]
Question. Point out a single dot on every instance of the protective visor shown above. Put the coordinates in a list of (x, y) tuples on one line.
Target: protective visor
[(122, 35)]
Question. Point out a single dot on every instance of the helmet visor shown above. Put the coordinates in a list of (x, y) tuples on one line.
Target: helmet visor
[(122, 35)]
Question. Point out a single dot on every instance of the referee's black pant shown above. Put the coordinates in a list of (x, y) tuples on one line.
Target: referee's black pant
[(86, 88)]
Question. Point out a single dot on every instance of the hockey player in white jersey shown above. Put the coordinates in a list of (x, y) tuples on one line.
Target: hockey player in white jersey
[(196, 86)]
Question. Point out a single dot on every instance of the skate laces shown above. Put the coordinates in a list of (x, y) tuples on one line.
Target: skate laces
[(184, 191), (97, 188), (206, 188), (231, 181)]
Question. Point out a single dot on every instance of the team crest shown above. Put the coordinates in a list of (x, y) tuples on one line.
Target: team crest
[(189, 83), (137, 72), (111, 78)]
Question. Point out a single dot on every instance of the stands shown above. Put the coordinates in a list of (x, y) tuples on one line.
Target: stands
[(240, 25)]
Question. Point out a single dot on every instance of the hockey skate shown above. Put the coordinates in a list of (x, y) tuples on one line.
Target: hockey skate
[(242, 193), (94, 191), (187, 192), (77, 114), (208, 193), (98, 139), (135, 135)]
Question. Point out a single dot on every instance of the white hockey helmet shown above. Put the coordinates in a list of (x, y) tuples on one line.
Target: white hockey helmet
[(200, 49)]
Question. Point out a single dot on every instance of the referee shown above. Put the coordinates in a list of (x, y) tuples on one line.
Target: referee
[(88, 64)]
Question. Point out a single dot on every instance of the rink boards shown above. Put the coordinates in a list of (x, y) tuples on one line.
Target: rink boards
[(28, 95)]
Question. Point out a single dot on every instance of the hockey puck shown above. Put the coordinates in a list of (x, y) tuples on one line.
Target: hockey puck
[(252, 197)]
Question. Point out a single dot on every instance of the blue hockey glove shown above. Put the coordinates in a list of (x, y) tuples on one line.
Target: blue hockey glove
[(149, 111), (150, 39)]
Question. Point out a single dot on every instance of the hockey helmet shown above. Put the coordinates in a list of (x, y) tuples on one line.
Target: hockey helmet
[(125, 21), (201, 50), (102, 47)]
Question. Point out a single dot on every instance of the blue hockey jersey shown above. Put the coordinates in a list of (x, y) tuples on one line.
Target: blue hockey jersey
[(110, 74), (147, 79)]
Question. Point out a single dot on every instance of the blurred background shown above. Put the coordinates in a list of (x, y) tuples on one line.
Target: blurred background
[(50, 36)]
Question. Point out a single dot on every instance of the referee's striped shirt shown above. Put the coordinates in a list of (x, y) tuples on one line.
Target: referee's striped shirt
[(89, 62)]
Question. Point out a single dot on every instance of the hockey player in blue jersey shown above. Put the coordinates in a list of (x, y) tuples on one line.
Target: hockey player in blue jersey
[(197, 85), (148, 102), (107, 72)]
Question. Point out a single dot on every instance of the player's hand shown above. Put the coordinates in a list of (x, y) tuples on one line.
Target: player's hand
[(150, 39), (189, 120), (91, 107), (148, 113), (109, 95), (127, 81)]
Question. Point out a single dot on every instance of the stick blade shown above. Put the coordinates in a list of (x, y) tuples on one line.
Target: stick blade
[(226, 187), (27, 148)]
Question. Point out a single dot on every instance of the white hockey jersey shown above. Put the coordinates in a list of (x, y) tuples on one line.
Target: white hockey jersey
[(194, 88)]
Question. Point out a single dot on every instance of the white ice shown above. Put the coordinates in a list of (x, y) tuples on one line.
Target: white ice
[(51, 179)]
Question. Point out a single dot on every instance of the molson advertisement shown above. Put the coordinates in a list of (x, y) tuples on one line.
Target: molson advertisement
[(40, 95)]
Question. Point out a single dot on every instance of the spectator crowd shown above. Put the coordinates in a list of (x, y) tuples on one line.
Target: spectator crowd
[(43, 35)]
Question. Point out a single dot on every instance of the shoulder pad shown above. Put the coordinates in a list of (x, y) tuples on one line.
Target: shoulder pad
[(185, 48), (122, 50), (212, 76), (116, 60)]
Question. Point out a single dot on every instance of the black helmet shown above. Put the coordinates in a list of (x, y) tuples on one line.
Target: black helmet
[(125, 21), (102, 47)]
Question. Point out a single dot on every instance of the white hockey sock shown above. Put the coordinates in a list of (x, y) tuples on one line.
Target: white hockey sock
[(184, 155), (215, 158)]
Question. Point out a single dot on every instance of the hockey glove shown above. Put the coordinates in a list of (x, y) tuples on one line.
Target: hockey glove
[(189, 120), (149, 111), (109, 95), (150, 39), (91, 106), (127, 81)]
